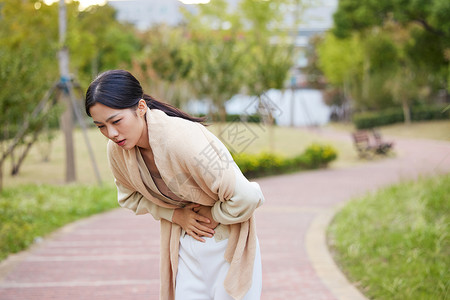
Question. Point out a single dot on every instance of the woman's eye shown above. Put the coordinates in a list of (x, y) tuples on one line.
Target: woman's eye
[(117, 121), (100, 126)]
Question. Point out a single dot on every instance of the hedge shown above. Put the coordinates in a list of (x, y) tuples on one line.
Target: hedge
[(367, 120), (255, 165), (255, 118)]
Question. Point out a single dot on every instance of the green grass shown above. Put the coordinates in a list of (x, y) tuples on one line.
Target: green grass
[(288, 142), (435, 130), (395, 244), (35, 202), (32, 211), (36, 171)]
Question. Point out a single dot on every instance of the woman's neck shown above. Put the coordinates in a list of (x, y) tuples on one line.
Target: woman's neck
[(143, 142)]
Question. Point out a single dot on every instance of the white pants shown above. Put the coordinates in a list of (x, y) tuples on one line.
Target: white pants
[(202, 270)]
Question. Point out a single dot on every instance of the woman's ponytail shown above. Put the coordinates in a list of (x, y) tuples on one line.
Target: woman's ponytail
[(120, 89), (170, 110)]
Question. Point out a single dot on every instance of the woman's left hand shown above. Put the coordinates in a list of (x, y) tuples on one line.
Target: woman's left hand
[(193, 223), (205, 211)]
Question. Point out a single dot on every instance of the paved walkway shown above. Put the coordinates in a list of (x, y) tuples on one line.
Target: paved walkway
[(115, 255)]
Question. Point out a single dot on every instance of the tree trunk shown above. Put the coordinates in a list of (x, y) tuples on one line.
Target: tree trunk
[(406, 111), (366, 81), (271, 137), (94, 66), (1, 176), (222, 113), (66, 119), (66, 122), (20, 160), (292, 116), (222, 117)]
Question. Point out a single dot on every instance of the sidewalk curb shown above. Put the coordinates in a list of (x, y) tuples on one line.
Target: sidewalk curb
[(322, 261)]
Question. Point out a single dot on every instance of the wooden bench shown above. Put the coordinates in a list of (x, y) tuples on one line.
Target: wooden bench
[(369, 145)]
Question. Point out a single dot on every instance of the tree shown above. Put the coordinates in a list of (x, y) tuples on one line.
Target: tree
[(217, 49), (99, 42), (270, 54), (402, 45), (430, 39), (315, 76), (164, 65), (342, 62), (354, 15), (27, 52)]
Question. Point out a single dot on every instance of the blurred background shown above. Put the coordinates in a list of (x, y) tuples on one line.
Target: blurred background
[(288, 85), (293, 63)]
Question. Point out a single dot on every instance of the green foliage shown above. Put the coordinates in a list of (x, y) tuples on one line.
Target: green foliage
[(318, 155), (29, 44), (31, 211), (217, 51), (27, 54), (315, 77), (255, 118), (341, 59), (359, 15), (232, 51), (395, 115), (98, 41), (403, 46), (163, 67), (267, 64), (395, 244), (254, 165)]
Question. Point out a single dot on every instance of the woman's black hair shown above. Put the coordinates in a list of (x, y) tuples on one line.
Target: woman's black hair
[(119, 89)]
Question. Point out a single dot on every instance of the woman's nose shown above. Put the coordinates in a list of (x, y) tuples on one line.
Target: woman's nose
[(112, 133)]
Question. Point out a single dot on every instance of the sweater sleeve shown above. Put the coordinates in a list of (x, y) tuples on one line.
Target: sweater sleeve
[(134, 201), (240, 207)]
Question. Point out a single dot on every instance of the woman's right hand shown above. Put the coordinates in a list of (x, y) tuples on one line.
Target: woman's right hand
[(191, 221)]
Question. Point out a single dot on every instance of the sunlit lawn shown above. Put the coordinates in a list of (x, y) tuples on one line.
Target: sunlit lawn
[(35, 170), (395, 244), (43, 203), (437, 130), (288, 142)]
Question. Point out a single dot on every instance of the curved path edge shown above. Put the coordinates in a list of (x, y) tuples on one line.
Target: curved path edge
[(322, 261)]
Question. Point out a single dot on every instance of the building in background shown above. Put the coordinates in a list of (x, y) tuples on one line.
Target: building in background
[(146, 13), (305, 106)]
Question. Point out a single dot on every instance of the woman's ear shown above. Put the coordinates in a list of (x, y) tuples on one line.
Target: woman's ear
[(142, 107)]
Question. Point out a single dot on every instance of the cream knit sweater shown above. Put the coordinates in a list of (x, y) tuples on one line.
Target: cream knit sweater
[(196, 167)]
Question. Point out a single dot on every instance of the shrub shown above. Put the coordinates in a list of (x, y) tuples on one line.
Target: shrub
[(255, 118), (314, 156), (318, 155), (366, 120)]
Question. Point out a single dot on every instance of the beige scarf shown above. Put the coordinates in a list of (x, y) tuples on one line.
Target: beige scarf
[(196, 167)]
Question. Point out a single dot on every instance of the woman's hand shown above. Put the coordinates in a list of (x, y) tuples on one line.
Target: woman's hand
[(195, 224), (205, 211)]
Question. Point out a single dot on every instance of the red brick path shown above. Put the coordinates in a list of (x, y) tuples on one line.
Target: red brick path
[(115, 255)]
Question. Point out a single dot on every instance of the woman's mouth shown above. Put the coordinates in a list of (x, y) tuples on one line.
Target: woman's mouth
[(121, 142)]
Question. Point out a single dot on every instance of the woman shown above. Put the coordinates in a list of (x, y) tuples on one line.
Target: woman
[(168, 164)]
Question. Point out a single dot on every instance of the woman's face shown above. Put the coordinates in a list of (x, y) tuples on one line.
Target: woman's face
[(126, 127)]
